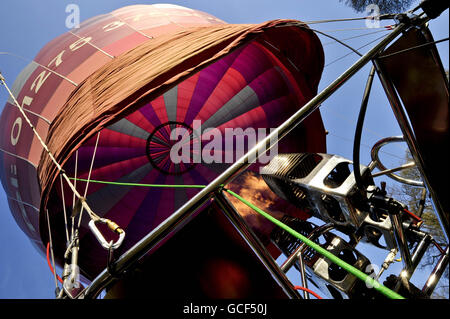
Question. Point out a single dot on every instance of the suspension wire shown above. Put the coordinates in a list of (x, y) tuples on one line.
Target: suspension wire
[(93, 216), (336, 114), (344, 56), (336, 20), (365, 145), (41, 65), (391, 54), (64, 209), (337, 40), (372, 132), (305, 24), (413, 48), (51, 250), (354, 37), (379, 17), (358, 29), (325, 33), (354, 50), (89, 176)]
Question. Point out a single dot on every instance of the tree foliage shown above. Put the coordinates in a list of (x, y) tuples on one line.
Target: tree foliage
[(386, 6)]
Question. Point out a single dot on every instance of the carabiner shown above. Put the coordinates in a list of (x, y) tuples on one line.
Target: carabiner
[(112, 226)]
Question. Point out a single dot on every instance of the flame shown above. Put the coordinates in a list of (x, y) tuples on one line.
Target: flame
[(253, 188)]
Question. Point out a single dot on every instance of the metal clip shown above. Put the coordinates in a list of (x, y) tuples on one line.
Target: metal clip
[(112, 226)]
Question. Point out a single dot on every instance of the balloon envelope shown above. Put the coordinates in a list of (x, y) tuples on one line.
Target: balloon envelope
[(103, 124)]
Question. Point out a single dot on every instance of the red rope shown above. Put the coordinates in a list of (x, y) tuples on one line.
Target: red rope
[(50, 265), (307, 290), (412, 215), (442, 251)]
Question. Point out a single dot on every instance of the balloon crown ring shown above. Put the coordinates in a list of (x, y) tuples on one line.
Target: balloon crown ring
[(166, 143)]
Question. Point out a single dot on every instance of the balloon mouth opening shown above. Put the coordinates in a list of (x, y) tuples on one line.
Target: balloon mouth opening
[(166, 148)]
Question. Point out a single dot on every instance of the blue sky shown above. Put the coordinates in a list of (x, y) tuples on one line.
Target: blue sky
[(26, 26)]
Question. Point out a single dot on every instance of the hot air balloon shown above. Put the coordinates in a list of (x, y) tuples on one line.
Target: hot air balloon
[(108, 96)]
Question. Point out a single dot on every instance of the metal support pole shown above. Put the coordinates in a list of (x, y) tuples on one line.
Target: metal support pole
[(256, 245), (302, 273), (296, 255), (423, 198), (402, 242), (375, 158), (408, 135), (417, 255), (420, 250), (432, 281), (395, 169), (179, 218)]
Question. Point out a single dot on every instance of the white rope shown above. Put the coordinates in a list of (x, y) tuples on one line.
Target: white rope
[(73, 197), (64, 209), (58, 166), (89, 176)]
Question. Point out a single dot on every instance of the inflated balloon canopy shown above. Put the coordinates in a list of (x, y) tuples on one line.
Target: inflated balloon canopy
[(125, 81)]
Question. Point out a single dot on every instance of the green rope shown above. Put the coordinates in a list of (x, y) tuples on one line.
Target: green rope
[(356, 272), (136, 184)]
